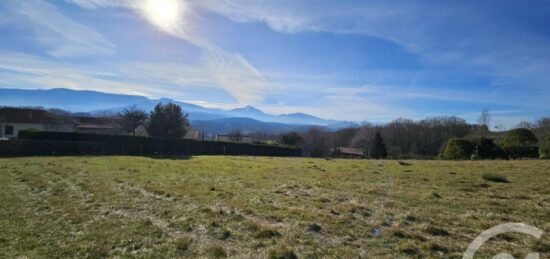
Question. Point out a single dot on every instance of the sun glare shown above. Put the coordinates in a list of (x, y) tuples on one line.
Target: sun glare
[(165, 14)]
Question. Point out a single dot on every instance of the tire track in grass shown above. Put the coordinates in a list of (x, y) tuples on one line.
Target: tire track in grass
[(379, 217)]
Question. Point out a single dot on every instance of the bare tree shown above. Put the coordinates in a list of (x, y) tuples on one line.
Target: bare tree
[(291, 138), (131, 119), (499, 127), (484, 120), (344, 137), (235, 136), (541, 128), (363, 136), (543, 125), (316, 143), (524, 125)]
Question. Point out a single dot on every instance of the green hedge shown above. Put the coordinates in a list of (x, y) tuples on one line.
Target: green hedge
[(544, 150), (57, 143), (485, 148), (458, 149), (520, 143)]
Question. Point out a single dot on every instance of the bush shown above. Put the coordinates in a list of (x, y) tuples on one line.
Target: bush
[(495, 178), (487, 149), (544, 150), (457, 149), (519, 143)]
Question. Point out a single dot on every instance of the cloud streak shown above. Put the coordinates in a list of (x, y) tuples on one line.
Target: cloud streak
[(62, 36), (230, 70), (458, 34)]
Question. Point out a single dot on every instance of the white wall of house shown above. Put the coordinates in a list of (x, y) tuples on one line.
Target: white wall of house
[(37, 126)]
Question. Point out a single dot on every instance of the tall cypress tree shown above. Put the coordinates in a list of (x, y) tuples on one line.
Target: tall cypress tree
[(377, 147)]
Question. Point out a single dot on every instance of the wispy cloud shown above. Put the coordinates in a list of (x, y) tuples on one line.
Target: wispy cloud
[(61, 35), (152, 79), (28, 71), (458, 34), (230, 70)]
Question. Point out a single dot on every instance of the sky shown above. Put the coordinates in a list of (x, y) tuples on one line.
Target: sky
[(352, 60)]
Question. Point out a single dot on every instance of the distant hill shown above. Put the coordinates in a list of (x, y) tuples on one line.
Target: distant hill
[(75, 101), (106, 103)]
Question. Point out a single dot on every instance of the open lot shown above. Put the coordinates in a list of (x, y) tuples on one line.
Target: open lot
[(256, 207)]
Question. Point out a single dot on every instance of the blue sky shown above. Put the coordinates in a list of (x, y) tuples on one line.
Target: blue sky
[(347, 60)]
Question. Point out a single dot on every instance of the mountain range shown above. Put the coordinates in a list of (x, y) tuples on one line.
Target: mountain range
[(211, 120)]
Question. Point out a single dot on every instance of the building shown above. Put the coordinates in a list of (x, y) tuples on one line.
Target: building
[(194, 134), (95, 125), (14, 120), (234, 138), (349, 152)]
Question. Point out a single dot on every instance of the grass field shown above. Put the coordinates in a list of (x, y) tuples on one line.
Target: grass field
[(251, 207)]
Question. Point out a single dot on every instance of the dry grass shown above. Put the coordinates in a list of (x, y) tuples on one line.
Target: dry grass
[(250, 207)]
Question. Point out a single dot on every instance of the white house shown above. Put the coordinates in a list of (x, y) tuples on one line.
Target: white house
[(236, 138), (194, 134), (13, 120)]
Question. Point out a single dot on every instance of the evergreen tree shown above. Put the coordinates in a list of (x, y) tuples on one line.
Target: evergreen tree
[(168, 121), (377, 147)]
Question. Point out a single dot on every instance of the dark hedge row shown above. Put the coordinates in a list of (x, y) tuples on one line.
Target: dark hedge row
[(485, 148), (55, 143)]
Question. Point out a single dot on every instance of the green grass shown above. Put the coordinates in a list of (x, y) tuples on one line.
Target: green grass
[(252, 207)]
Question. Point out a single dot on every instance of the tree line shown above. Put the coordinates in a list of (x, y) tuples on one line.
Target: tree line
[(447, 137), (426, 138)]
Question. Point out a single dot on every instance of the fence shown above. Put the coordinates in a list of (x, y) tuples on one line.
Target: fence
[(56, 143)]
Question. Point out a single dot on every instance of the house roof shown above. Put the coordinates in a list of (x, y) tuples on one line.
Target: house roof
[(351, 151), (81, 120), (193, 134), (94, 126), (17, 115), (35, 116)]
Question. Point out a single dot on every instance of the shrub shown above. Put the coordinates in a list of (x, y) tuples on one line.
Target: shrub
[(457, 149), (403, 163), (520, 143), (487, 149), (544, 150), (495, 178)]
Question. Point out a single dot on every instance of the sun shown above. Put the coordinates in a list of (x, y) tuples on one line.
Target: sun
[(165, 14)]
